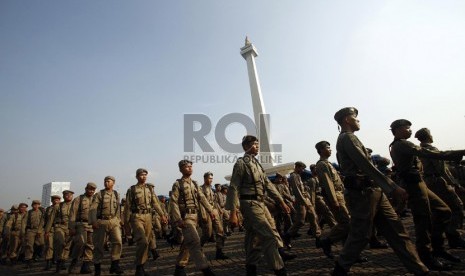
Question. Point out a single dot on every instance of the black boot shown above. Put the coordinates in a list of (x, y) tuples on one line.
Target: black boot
[(155, 254), (280, 272), (140, 271), (455, 241), (97, 270), (251, 270), (85, 268), (446, 256), (62, 265), (339, 270), (326, 246), (28, 264), (72, 265), (208, 272), (179, 271), (48, 265), (115, 268), (220, 255), (58, 266), (434, 264), (286, 256)]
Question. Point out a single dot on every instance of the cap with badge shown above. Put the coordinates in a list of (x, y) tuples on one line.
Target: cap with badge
[(422, 134), (55, 196), (207, 174), (400, 123), (68, 192), (35, 201), (14, 207), (23, 204), (346, 111)]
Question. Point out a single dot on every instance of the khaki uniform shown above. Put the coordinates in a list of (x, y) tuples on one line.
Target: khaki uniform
[(34, 232), (334, 192), (303, 207), (314, 190), (156, 225), (440, 181), (105, 211), (280, 216), (3, 239), (59, 220), (15, 229), (430, 214), (140, 201), (185, 205), (49, 250), (248, 185), (79, 221), (369, 206), (210, 225)]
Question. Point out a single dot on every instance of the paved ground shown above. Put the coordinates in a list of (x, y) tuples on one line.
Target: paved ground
[(310, 261)]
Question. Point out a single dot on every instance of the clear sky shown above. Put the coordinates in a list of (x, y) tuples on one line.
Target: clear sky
[(96, 88)]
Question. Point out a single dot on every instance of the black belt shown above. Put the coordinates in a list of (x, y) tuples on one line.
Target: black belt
[(82, 220), (191, 211), (251, 197), (105, 217), (142, 211)]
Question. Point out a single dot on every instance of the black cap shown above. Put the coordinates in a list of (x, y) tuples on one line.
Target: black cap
[(300, 164), (321, 145), (184, 162), (207, 174), (141, 170), (246, 140), (400, 123), (346, 111), (422, 134)]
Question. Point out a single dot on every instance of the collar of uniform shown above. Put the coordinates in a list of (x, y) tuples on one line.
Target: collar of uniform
[(186, 179)]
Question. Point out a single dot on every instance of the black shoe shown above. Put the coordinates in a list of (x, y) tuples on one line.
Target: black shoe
[(309, 232), (155, 254), (115, 268), (339, 270), (48, 265), (58, 266), (72, 265), (362, 259), (446, 256), (140, 271), (456, 243), (62, 265), (130, 241), (208, 272), (378, 245), (287, 240), (28, 264), (280, 272), (97, 270), (220, 255), (317, 242), (251, 270), (179, 271), (85, 268), (286, 256), (326, 246), (436, 265)]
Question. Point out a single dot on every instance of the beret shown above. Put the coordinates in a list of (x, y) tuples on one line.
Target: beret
[(91, 185), (422, 133), (346, 111), (141, 170), (184, 162), (322, 145), (400, 123)]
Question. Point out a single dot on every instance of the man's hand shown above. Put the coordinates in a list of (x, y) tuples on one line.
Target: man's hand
[(400, 194), (212, 216), (233, 218), (72, 231), (95, 225), (180, 223), (46, 235), (164, 220), (285, 208)]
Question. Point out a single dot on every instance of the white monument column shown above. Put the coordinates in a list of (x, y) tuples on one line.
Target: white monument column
[(249, 52)]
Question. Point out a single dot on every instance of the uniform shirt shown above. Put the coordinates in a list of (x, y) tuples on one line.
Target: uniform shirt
[(209, 194), (48, 215), (189, 197), (60, 215), (144, 199), (106, 206), (405, 156), (80, 210), (35, 220), (3, 221), (298, 189), (355, 160), (283, 189), (436, 167), (16, 222), (249, 178), (329, 179)]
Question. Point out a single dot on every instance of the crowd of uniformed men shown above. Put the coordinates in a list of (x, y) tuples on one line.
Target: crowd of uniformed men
[(359, 199)]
